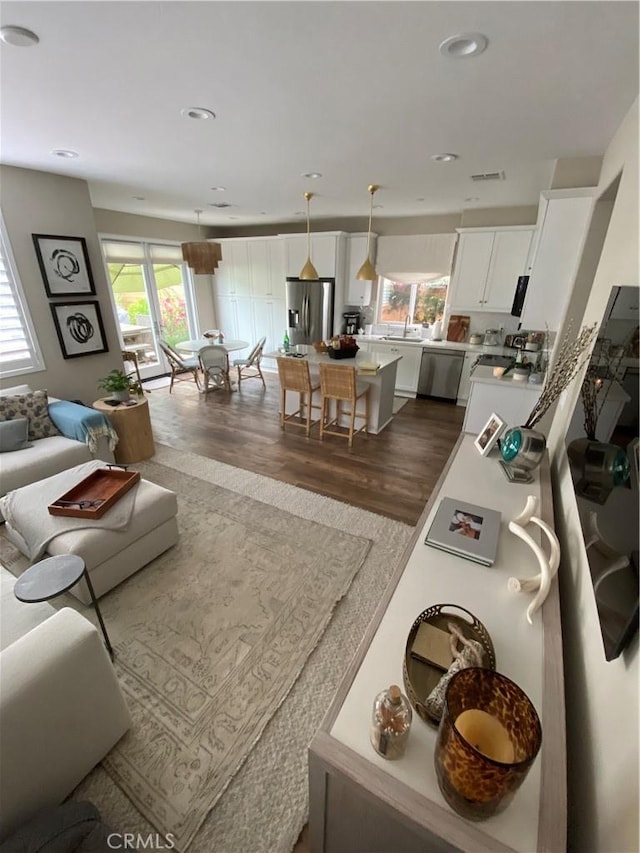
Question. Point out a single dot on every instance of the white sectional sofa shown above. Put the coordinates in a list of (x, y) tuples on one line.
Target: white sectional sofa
[(47, 456), (61, 707)]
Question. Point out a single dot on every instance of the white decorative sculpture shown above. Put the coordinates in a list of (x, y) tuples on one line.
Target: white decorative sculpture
[(548, 565)]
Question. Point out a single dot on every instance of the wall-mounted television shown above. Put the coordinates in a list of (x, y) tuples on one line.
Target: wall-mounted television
[(602, 446)]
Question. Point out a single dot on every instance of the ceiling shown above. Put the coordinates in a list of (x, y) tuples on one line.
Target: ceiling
[(357, 91)]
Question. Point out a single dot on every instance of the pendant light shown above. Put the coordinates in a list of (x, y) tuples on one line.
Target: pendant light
[(308, 271), (203, 257), (367, 271)]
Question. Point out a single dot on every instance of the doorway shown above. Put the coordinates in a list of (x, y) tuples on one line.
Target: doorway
[(152, 296)]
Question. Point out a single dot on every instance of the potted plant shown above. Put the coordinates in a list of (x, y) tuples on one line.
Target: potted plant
[(120, 386)]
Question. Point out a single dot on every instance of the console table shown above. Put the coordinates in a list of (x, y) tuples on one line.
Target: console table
[(361, 802)]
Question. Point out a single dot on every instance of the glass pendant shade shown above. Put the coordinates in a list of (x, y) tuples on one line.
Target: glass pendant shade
[(367, 271), (308, 271)]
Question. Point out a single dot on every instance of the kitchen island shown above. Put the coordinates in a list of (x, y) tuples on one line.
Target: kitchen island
[(381, 383)]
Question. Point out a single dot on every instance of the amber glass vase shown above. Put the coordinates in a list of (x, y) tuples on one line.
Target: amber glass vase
[(488, 738)]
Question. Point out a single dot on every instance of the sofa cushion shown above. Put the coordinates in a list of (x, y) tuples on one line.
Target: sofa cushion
[(44, 458), (16, 617), (33, 406), (14, 435)]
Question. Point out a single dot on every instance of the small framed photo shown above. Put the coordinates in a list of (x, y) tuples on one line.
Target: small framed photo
[(79, 327), (490, 433), (64, 264)]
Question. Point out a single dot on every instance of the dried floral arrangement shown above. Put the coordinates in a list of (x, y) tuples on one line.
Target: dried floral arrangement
[(571, 358)]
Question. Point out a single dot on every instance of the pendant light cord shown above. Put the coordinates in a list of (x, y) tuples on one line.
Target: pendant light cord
[(308, 197)]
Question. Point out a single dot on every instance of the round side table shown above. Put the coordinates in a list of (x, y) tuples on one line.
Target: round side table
[(133, 425), (52, 577)]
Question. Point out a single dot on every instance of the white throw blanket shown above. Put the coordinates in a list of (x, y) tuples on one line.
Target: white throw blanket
[(31, 528)]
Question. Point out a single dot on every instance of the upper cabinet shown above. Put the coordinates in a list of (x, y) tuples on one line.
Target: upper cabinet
[(251, 266), (563, 224), (358, 292), (488, 264), (327, 253)]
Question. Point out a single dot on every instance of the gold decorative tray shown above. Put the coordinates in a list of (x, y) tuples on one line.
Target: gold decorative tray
[(97, 493), (421, 677)]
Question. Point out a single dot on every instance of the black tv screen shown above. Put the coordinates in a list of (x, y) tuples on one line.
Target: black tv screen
[(602, 446)]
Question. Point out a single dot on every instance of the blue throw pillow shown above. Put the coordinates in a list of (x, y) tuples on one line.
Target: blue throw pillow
[(14, 435)]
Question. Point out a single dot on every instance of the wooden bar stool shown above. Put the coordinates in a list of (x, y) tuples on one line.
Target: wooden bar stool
[(339, 384), (295, 376)]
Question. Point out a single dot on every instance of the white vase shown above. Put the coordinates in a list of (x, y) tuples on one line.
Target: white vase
[(121, 396)]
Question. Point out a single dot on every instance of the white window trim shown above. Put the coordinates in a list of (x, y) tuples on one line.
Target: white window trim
[(37, 361), (412, 302)]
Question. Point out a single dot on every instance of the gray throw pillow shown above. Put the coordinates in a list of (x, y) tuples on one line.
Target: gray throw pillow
[(14, 435), (35, 408)]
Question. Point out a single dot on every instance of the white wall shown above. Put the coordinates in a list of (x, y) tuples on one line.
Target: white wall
[(42, 203), (601, 696)]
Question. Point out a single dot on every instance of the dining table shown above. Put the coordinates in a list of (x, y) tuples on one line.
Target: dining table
[(198, 343)]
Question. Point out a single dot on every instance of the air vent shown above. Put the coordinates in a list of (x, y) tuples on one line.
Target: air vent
[(220, 204), (488, 176)]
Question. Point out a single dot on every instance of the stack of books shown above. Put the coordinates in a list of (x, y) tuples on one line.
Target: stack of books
[(367, 368)]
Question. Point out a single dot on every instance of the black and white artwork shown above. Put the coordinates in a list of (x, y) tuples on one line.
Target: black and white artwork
[(79, 327), (64, 264)]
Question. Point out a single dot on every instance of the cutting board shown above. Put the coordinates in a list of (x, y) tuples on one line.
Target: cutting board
[(458, 327)]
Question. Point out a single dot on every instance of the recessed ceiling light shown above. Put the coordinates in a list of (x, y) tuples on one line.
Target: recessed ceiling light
[(197, 113), (464, 45), (219, 204), (234, 217), (18, 36), (444, 158), (219, 189), (420, 199), (472, 198), (138, 197), (299, 213), (312, 175), (378, 206), (65, 153)]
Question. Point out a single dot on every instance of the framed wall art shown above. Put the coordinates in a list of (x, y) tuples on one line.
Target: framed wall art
[(79, 327), (64, 264), (489, 434)]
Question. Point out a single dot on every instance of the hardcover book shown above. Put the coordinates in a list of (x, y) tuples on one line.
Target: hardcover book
[(465, 529)]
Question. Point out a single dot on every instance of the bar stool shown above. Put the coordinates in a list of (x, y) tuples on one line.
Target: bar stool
[(339, 384), (295, 376)]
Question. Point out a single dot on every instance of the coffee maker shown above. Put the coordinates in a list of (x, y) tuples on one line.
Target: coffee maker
[(350, 323)]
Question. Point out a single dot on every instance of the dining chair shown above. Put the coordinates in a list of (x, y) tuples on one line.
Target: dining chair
[(249, 367), (179, 365), (214, 361), (295, 376), (130, 357), (339, 384)]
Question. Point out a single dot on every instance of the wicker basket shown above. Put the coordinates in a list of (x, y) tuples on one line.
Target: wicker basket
[(420, 678), (343, 353)]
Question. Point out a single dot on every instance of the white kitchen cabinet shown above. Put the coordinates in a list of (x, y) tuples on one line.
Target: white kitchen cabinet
[(488, 264), (267, 272), (563, 223), (408, 366), (232, 278), (234, 317), (268, 318), (358, 292), (325, 253), (511, 401), (464, 385)]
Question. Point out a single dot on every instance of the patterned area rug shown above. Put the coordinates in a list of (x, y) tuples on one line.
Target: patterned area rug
[(174, 620)]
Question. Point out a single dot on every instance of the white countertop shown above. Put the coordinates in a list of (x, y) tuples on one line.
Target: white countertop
[(381, 359), (449, 345), (484, 373)]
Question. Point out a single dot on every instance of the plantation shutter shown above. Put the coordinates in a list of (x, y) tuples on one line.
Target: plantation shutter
[(19, 350)]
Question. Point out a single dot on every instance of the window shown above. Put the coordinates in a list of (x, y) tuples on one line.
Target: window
[(423, 301), (19, 349)]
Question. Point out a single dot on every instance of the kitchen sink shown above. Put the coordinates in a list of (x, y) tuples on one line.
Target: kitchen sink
[(408, 339)]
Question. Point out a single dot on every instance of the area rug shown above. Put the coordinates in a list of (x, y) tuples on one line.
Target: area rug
[(266, 803)]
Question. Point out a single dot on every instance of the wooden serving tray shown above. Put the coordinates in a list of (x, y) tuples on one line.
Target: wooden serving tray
[(101, 490)]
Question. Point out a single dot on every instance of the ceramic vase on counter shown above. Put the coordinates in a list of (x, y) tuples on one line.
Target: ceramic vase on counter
[(522, 450)]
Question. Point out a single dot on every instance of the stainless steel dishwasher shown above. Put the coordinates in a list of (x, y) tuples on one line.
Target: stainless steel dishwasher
[(440, 371)]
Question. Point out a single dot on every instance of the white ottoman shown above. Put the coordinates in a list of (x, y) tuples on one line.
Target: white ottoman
[(113, 555)]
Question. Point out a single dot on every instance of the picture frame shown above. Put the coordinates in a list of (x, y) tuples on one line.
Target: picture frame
[(79, 327), (489, 434), (64, 265)]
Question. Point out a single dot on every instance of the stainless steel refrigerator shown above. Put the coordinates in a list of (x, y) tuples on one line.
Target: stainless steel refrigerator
[(310, 310)]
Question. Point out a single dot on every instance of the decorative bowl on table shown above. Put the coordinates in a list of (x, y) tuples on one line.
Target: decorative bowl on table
[(347, 352)]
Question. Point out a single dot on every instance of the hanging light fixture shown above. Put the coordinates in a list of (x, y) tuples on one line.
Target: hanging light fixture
[(203, 257), (367, 271), (308, 271)]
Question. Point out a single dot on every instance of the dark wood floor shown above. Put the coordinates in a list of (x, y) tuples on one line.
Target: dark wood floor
[(392, 474)]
